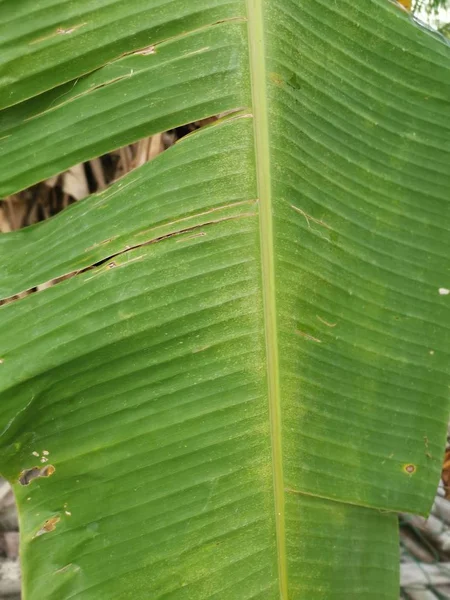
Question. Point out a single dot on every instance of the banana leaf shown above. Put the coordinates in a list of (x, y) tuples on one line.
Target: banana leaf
[(230, 369)]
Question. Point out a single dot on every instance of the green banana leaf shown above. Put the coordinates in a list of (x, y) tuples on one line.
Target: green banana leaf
[(231, 369)]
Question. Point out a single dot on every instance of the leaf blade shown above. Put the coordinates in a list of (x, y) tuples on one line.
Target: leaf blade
[(194, 76), (354, 266), (47, 43)]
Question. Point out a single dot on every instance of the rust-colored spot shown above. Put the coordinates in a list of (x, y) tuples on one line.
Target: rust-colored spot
[(28, 475), (276, 78), (445, 476), (410, 469), (49, 525)]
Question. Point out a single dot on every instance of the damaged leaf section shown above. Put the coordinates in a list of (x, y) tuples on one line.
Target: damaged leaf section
[(27, 476), (111, 264), (49, 525), (49, 197), (59, 31), (60, 250), (126, 100), (73, 46)]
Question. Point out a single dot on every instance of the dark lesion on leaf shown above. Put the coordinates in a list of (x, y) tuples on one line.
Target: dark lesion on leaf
[(294, 82), (27, 475)]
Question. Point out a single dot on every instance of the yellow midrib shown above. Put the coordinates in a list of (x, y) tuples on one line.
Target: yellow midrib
[(261, 131)]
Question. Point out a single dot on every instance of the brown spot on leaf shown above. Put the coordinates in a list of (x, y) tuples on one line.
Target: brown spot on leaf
[(410, 469), (276, 78), (445, 476), (49, 525)]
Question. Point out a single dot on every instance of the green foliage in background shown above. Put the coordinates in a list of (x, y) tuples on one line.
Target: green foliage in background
[(430, 5), (231, 368)]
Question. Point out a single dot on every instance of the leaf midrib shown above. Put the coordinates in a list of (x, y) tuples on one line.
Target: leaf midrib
[(261, 132)]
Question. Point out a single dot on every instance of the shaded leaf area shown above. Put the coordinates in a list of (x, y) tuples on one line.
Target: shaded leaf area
[(147, 380)]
